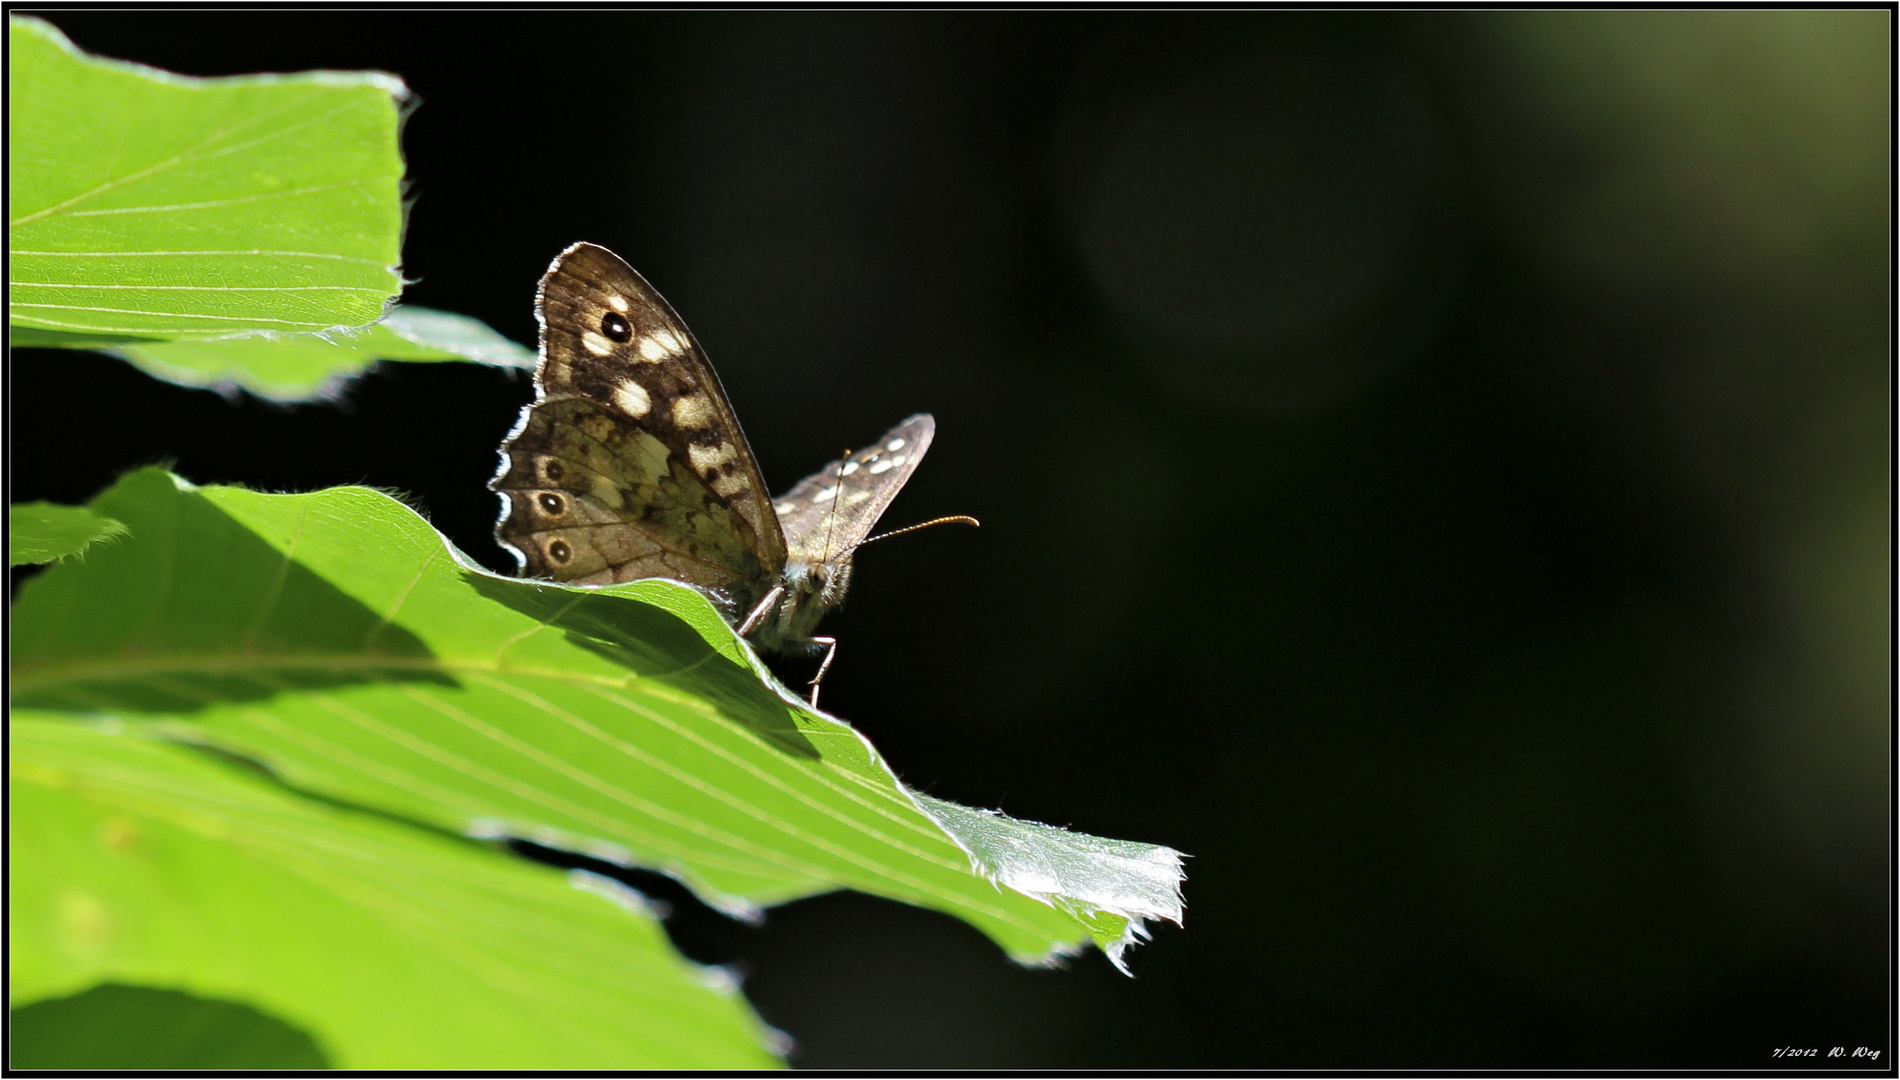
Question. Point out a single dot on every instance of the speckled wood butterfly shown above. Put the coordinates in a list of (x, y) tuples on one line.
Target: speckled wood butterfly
[(630, 464)]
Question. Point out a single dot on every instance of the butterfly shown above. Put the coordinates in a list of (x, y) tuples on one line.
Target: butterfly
[(630, 464)]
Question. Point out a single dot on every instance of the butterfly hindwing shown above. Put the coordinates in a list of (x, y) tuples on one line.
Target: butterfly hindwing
[(630, 463)]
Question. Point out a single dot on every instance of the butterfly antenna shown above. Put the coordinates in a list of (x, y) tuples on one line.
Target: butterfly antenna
[(831, 515), (951, 520)]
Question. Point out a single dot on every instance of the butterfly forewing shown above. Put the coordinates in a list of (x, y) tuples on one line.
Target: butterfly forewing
[(832, 511), (630, 463)]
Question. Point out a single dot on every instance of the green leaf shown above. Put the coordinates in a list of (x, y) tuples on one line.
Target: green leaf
[(144, 205), (151, 863), (306, 366), (1109, 886), (139, 1027), (340, 640), (43, 532), (214, 232)]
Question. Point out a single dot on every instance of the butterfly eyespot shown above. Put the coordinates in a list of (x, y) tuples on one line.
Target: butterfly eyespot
[(551, 503), (615, 326), (553, 471), (559, 551)]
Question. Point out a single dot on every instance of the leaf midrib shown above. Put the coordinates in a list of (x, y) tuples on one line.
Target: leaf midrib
[(28, 678)]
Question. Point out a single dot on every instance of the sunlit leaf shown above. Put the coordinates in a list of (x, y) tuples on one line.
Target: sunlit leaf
[(143, 205), (41, 532), (151, 863), (628, 723), (304, 366)]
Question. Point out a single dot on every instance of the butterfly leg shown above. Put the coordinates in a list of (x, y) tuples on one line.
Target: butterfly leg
[(761, 610), (831, 650)]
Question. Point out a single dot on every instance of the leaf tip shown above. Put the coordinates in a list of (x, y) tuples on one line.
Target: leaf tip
[(1112, 887)]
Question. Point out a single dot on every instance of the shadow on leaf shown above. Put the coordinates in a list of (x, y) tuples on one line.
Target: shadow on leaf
[(194, 610), (655, 644), (114, 1026)]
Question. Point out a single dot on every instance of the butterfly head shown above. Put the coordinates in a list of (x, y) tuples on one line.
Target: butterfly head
[(807, 589)]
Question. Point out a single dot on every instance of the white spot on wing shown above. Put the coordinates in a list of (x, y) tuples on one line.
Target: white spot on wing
[(729, 485), (857, 496), (895, 444), (707, 458), (692, 411), (882, 466), (666, 340), (617, 302), (652, 351), (849, 468), (632, 398), (596, 344), (826, 495)]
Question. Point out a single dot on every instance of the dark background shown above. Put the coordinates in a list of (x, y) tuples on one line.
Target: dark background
[(1434, 471)]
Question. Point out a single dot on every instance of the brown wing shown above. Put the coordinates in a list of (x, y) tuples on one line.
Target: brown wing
[(831, 511), (630, 463)]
